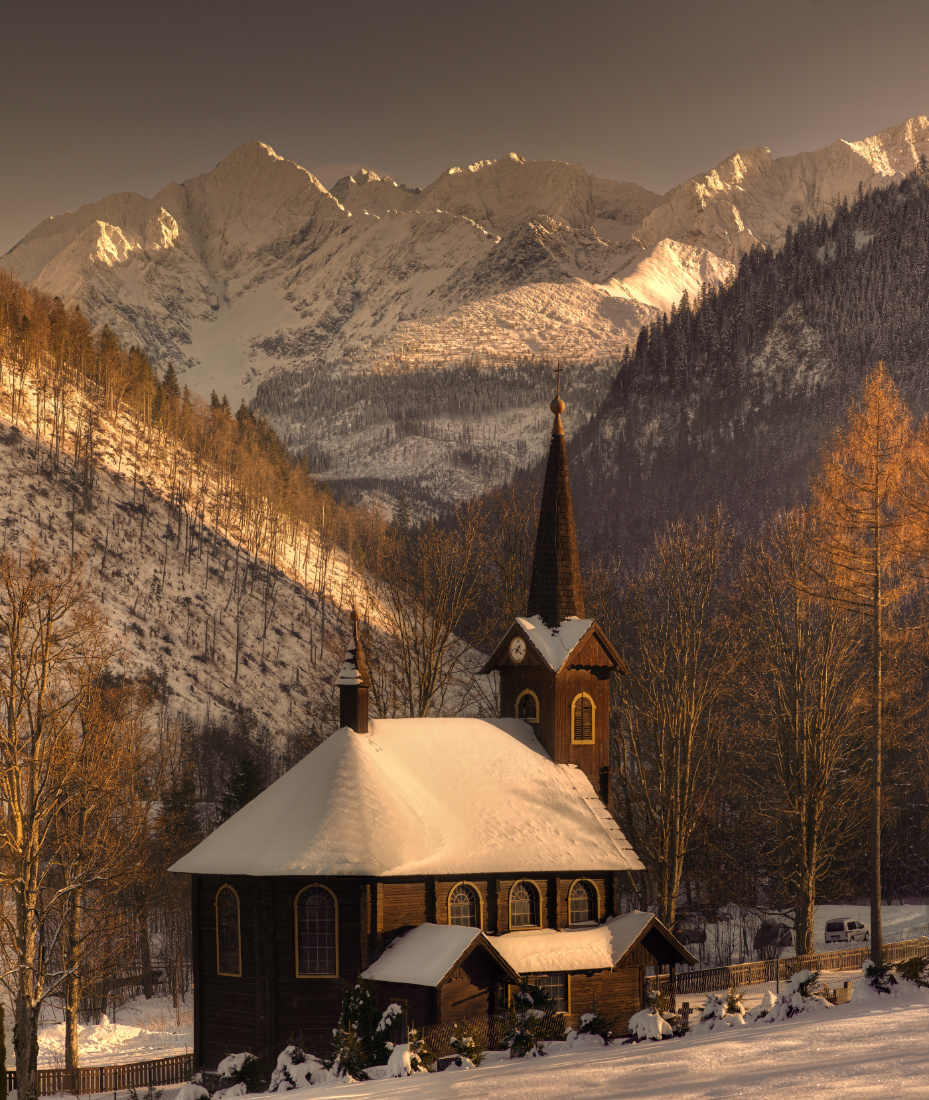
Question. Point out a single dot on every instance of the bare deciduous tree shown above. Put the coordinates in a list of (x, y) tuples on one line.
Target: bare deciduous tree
[(801, 695), (667, 724)]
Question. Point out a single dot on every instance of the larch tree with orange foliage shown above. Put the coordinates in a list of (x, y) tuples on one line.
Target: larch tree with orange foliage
[(864, 530)]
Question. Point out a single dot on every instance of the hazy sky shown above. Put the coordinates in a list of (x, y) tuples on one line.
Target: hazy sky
[(101, 96)]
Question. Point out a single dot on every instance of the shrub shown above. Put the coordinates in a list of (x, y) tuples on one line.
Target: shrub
[(592, 1023), (914, 970), (528, 1019), (465, 1046), (295, 1069), (879, 975), (359, 1040), (241, 1069)]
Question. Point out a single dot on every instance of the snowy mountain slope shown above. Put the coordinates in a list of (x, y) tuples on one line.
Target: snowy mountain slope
[(255, 267), (751, 198), (173, 584), (255, 271)]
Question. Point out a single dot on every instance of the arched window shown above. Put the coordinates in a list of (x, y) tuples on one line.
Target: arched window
[(527, 706), (464, 906), (317, 927), (582, 718), (524, 906), (228, 941), (582, 903)]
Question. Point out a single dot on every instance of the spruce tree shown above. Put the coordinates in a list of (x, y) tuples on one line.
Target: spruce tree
[(243, 784)]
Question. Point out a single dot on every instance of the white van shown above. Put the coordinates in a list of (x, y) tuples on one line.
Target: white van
[(846, 930)]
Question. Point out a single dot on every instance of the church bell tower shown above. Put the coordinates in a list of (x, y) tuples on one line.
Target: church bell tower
[(554, 663)]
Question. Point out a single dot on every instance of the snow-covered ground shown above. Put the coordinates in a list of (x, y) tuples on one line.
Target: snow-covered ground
[(872, 1050), (141, 1029), (731, 941)]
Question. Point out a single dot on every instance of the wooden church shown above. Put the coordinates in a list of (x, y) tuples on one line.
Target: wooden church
[(442, 858)]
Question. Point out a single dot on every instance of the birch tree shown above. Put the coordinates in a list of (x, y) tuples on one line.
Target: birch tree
[(53, 647)]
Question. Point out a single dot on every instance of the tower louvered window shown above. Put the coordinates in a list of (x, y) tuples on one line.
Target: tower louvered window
[(464, 907), (583, 718), (527, 707), (316, 932), (524, 906)]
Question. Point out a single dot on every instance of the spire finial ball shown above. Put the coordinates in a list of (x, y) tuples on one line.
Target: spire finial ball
[(355, 616), (557, 406)]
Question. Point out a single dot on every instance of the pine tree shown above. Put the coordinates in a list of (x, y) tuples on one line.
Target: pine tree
[(243, 784)]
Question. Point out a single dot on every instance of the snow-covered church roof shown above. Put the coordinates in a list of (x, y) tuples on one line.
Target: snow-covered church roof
[(420, 796)]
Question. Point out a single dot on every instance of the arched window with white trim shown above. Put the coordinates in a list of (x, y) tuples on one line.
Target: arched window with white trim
[(583, 903), (583, 711), (228, 933), (524, 906), (464, 906), (527, 707), (316, 926)]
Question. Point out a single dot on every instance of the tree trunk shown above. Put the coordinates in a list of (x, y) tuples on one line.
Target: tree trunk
[(72, 999), (26, 1047), (877, 939)]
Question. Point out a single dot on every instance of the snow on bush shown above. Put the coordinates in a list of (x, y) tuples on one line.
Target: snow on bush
[(649, 1024), (386, 1022), (236, 1070), (764, 1006), (906, 979), (468, 1051), (295, 1069), (190, 1091), (721, 1012), (797, 997), (408, 1058), (232, 1064)]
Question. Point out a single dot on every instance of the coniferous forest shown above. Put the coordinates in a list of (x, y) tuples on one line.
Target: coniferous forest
[(730, 399)]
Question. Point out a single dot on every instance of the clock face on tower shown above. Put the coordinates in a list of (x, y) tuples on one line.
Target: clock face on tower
[(517, 649)]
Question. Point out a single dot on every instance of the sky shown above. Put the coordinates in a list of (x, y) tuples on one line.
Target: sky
[(103, 96)]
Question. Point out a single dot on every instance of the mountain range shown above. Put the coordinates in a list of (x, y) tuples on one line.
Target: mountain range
[(319, 305)]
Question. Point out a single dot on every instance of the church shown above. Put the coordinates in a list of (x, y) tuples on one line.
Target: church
[(441, 858)]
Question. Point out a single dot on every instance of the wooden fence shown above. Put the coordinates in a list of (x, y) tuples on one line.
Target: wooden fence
[(137, 1075), (774, 970)]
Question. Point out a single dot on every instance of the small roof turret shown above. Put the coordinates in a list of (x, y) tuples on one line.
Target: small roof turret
[(353, 682)]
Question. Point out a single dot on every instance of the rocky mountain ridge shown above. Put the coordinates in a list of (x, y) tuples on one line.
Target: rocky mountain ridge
[(255, 271)]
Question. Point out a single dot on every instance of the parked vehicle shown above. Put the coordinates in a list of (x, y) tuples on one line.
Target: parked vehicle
[(772, 936), (846, 930), (690, 928)]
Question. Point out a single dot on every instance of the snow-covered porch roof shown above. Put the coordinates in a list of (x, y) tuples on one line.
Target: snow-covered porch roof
[(598, 947), (428, 953)]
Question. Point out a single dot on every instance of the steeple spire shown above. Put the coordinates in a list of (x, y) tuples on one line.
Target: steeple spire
[(555, 591), (353, 683)]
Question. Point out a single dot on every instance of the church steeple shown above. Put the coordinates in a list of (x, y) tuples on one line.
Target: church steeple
[(555, 591), (555, 664), (353, 683)]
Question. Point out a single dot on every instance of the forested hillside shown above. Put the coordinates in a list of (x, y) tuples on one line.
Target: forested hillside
[(729, 399)]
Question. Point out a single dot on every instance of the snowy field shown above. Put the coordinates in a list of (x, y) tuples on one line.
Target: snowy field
[(855, 1051), (142, 1029), (730, 941)]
